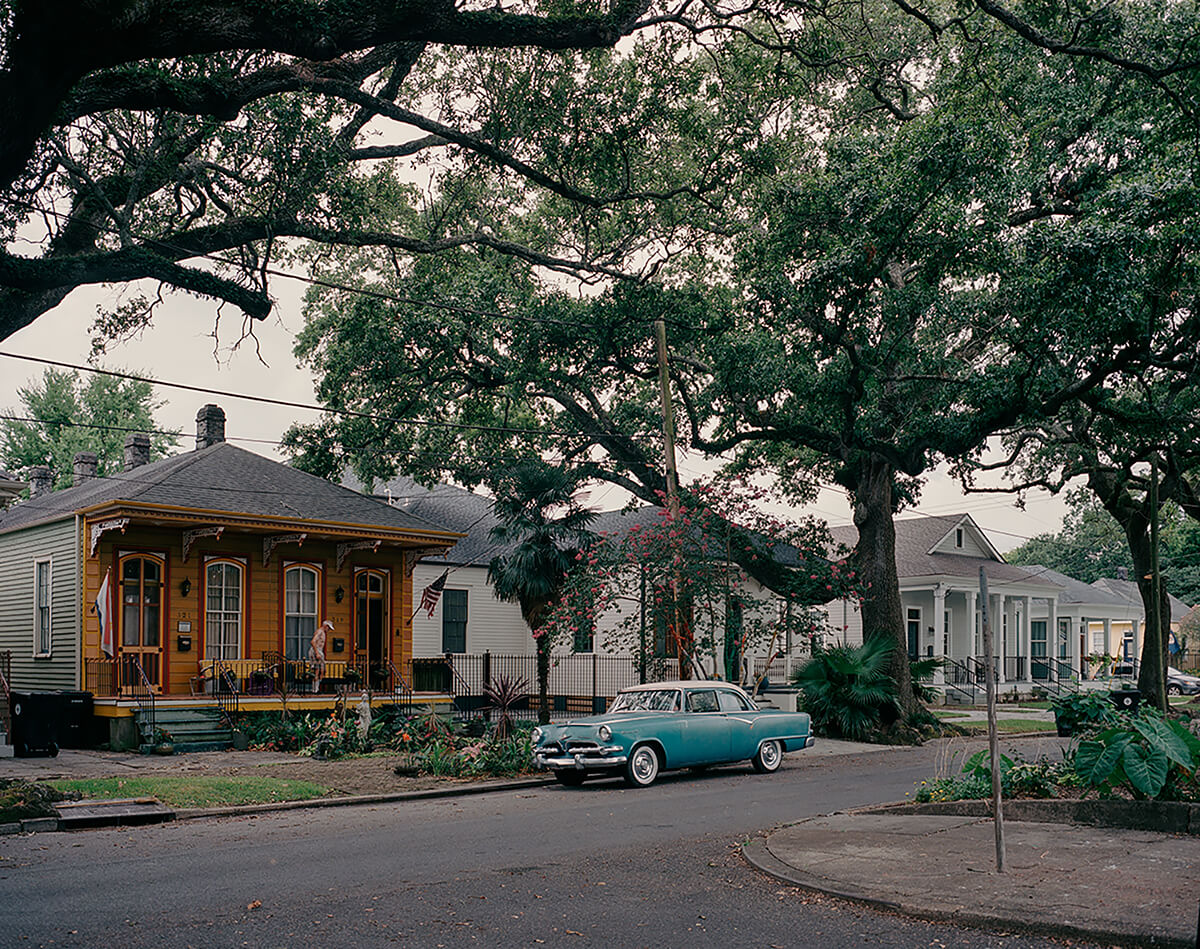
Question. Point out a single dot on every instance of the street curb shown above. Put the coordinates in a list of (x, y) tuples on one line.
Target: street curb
[(757, 855), (461, 790)]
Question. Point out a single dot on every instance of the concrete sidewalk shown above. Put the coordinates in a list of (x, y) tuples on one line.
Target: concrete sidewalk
[(1120, 887)]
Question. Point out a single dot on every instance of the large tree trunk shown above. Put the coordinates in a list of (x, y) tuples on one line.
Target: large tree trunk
[(1134, 518), (874, 561)]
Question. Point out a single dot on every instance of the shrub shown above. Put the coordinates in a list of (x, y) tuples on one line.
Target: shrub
[(846, 689), (1041, 778), (1080, 713), (1148, 756)]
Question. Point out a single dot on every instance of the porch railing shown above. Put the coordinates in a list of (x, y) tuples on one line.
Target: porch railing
[(122, 676), (1052, 675)]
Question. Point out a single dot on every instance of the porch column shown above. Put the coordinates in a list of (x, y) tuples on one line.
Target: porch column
[(1136, 629), (1053, 635), (1108, 643), (1001, 628), (1027, 635), (940, 643), (972, 618)]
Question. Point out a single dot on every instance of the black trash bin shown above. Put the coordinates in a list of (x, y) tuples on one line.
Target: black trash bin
[(76, 725), (35, 720), (1125, 700)]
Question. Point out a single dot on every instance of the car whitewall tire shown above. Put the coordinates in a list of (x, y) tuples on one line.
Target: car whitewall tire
[(642, 767), (769, 757)]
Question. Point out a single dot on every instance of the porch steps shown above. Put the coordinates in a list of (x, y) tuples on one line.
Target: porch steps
[(783, 699), (195, 728)]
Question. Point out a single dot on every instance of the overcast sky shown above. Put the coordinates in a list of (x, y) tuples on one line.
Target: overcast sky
[(180, 348)]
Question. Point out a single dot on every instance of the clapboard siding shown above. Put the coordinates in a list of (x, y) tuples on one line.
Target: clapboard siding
[(492, 626), (18, 552)]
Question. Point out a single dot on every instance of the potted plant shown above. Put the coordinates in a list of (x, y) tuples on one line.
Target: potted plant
[(1081, 712), (161, 742)]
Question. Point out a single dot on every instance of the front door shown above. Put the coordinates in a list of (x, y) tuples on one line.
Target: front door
[(370, 624), (142, 616)]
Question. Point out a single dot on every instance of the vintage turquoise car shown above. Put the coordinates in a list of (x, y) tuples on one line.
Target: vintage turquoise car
[(663, 725)]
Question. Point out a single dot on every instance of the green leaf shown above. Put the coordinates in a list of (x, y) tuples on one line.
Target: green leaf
[(1163, 738), (1146, 768), (1096, 761)]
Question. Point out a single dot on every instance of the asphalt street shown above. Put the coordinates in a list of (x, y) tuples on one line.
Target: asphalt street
[(599, 865)]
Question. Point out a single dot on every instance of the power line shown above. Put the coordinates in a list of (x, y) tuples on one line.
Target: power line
[(308, 406)]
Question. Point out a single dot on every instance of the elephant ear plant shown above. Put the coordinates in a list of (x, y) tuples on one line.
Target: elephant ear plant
[(1147, 755)]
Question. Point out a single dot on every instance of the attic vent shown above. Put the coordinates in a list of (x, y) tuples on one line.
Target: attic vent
[(958, 537)]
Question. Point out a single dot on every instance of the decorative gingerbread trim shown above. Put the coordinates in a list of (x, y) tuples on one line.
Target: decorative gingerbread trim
[(99, 528), (190, 537), (270, 543)]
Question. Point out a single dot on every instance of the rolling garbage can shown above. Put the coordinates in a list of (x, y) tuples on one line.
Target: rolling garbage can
[(35, 719), (1125, 700), (76, 727)]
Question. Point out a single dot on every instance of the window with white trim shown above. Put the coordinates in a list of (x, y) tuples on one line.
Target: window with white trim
[(223, 609), (300, 586), (42, 632)]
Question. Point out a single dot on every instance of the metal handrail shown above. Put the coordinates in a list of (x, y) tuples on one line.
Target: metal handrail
[(960, 678), (144, 696), (225, 689), (460, 689)]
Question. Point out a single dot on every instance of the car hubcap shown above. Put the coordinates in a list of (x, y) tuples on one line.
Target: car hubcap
[(770, 754), (645, 765)]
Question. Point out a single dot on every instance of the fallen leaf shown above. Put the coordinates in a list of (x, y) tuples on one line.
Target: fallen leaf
[(254, 904)]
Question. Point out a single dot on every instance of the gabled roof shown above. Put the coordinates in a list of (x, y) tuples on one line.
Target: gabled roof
[(221, 479), (919, 546), (1128, 592)]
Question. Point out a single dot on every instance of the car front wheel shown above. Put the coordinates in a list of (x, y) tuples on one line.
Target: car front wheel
[(1174, 690), (642, 767), (769, 757), (570, 779)]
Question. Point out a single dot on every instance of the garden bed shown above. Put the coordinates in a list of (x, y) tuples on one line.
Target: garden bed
[(1168, 817)]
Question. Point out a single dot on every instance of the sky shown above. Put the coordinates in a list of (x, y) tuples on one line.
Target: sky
[(180, 348)]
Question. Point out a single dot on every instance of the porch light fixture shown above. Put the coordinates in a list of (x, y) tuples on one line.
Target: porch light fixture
[(338, 595), (186, 587)]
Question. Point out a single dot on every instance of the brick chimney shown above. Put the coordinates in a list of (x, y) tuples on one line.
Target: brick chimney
[(41, 481), (210, 426), (85, 467), (137, 450)]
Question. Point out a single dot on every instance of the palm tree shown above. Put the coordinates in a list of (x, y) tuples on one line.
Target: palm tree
[(546, 528)]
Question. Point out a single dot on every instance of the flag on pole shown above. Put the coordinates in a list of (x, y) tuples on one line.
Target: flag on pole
[(103, 609), (432, 593)]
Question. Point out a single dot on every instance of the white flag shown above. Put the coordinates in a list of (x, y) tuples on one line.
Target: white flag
[(103, 608)]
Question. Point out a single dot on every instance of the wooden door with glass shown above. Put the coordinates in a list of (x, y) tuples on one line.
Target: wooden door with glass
[(370, 626), (141, 597)]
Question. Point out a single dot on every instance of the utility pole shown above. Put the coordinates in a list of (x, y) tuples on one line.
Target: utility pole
[(993, 737), (668, 412)]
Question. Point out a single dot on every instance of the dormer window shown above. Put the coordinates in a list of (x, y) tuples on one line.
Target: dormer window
[(958, 537)]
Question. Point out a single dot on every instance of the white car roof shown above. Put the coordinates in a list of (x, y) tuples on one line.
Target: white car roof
[(685, 684)]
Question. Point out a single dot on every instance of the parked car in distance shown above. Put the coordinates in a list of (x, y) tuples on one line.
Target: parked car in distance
[(1178, 683), (665, 725)]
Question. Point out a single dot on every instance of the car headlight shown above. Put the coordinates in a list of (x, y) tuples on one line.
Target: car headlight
[(605, 733), (535, 736)]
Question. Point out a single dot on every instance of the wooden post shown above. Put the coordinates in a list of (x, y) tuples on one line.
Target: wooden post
[(664, 385), (1155, 630), (993, 738)]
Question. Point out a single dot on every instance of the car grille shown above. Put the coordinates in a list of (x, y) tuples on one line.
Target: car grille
[(570, 747)]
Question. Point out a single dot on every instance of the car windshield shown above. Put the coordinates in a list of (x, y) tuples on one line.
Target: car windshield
[(647, 700)]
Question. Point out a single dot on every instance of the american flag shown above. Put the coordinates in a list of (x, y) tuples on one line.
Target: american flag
[(432, 593)]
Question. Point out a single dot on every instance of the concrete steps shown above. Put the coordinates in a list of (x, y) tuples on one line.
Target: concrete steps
[(195, 728)]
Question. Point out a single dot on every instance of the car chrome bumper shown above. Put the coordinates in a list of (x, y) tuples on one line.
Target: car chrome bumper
[(579, 762)]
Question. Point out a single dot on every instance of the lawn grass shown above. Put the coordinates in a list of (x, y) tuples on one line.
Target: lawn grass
[(199, 791), (943, 714), (1012, 726)]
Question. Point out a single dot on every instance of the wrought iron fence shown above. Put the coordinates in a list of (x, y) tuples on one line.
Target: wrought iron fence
[(6, 693), (578, 683)]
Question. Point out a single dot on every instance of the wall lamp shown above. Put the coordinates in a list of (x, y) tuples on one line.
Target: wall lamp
[(186, 587)]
